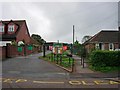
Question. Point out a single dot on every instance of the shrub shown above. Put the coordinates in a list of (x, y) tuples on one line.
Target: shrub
[(105, 58)]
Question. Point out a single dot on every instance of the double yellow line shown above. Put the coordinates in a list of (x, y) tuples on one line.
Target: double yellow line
[(46, 82)]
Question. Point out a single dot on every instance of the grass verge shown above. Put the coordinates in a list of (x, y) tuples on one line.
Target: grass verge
[(65, 62), (106, 69)]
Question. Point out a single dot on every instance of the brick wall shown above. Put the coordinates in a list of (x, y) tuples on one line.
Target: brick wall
[(116, 45), (2, 52), (106, 46), (12, 51), (91, 46)]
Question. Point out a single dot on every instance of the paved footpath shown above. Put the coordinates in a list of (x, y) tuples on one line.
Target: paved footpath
[(87, 72)]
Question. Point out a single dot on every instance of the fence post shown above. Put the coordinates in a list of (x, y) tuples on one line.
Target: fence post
[(51, 56), (44, 50), (25, 47), (72, 64), (57, 58), (54, 57), (60, 59), (83, 62)]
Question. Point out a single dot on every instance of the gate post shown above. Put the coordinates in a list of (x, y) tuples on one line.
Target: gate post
[(44, 50)]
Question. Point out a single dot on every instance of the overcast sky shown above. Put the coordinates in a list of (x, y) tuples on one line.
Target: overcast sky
[(53, 20)]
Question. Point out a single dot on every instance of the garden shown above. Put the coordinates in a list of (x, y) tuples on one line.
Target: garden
[(63, 60)]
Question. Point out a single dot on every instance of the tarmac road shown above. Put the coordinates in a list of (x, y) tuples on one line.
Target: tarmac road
[(31, 72)]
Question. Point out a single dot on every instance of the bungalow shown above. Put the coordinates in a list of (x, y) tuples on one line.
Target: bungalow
[(104, 40), (14, 30)]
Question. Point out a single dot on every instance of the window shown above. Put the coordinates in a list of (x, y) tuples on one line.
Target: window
[(111, 46), (97, 46), (2, 28), (11, 28)]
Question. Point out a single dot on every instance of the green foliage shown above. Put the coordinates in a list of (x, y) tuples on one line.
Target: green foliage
[(65, 53), (105, 69), (14, 43), (105, 61), (105, 58), (38, 38), (82, 51), (85, 38), (76, 42), (65, 60)]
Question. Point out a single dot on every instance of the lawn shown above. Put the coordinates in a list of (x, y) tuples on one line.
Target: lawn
[(62, 60)]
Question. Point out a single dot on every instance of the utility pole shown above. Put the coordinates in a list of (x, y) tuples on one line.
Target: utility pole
[(73, 34), (72, 49), (119, 37)]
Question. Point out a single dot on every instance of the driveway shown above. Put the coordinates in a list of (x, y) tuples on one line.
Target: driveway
[(30, 67)]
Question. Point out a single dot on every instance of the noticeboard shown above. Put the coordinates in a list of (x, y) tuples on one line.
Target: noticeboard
[(60, 50), (57, 50), (57, 44)]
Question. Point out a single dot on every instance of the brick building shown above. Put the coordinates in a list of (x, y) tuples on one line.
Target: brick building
[(104, 40), (14, 30)]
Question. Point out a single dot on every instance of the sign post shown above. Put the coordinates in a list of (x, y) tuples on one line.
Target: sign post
[(44, 50)]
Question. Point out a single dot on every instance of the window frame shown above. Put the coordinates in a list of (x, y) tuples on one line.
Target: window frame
[(111, 44), (11, 28), (2, 29), (97, 46)]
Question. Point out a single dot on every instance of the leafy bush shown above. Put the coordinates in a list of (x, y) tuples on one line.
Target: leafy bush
[(105, 58)]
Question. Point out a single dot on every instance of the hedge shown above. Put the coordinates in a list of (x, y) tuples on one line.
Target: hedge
[(105, 58)]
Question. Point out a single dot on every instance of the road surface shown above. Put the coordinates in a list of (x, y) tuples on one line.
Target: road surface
[(31, 72)]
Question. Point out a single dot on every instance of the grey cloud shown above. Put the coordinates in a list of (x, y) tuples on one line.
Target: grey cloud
[(54, 20)]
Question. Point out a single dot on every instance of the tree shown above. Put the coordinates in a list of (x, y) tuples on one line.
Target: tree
[(38, 38), (76, 42), (85, 38), (76, 47)]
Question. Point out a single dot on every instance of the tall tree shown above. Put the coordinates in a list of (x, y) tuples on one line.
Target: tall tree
[(38, 38), (85, 38)]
